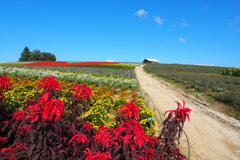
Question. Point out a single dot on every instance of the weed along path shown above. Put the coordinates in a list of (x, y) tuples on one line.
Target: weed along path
[(212, 135)]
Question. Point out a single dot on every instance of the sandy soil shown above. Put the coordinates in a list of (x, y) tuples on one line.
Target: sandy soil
[(212, 135)]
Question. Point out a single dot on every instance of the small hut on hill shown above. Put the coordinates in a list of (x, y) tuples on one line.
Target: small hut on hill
[(148, 60)]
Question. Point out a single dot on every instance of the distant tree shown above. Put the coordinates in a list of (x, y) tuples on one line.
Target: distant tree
[(36, 55), (25, 55), (49, 56)]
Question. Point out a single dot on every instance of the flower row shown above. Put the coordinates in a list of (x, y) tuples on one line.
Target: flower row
[(68, 76)]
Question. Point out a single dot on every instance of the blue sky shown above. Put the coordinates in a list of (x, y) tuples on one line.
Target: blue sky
[(172, 31)]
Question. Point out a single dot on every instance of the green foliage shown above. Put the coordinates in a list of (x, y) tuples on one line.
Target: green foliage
[(230, 71), (203, 79), (36, 55), (25, 55)]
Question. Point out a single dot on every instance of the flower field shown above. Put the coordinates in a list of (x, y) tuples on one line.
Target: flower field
[(64, 63), (70, 76), (56, 115)]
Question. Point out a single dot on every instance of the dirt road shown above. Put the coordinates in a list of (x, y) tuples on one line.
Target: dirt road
[(212, 135)]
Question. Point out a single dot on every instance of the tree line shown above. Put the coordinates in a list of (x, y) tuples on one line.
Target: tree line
[(36, 55)]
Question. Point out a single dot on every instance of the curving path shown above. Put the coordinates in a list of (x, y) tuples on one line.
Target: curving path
[(212, 135)]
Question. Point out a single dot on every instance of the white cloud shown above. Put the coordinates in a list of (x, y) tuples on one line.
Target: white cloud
[(184, 24), (182, 40), (111, 60), (235, 21), (205, 64), (159, 20), (141, 13)]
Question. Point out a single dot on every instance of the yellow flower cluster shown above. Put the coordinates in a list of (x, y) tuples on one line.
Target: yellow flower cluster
[(13, 64), (99, 112)]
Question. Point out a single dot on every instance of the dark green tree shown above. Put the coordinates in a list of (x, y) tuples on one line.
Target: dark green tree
[(25, 55), (36, 55)]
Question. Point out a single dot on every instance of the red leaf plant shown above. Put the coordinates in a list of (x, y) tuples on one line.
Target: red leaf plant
[(134, 133), (147, 154), (96, 155), (129, 111), (49, 83), (19, 116), (4, 85), (4, 82), (181, 113), (3, 139), (103, 136), (46, 109), (12, 149), (87, 126), (82, 93), (24, 129), (79, 138)]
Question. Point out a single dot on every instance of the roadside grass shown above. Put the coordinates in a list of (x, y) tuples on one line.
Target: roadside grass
[(204, 80)]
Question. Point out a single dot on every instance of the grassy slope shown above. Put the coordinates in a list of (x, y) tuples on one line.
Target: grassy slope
[(204, 79)]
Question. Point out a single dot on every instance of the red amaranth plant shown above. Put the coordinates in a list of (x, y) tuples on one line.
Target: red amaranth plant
[(18, 116), (96, 155), (4, 85), (181, 113), (25, 128), (82, 93), (49, 83), (10, 152), (43, 132), (78, 138), (129, 111), (4, 82), (46, 109), (38, 127), (172, 130), (103, 137)]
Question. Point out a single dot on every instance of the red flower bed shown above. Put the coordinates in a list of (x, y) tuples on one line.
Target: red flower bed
[(43, 131), (65, 63)]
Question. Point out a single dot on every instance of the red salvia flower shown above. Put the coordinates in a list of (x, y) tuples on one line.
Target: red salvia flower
[(82, 92), (78, 138), (19, 115), (181, 113), (129, 110), (4, 82), (96, 155), (24, 129), (49, 83)]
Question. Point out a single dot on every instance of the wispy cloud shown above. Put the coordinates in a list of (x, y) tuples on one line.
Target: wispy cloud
[(182, 40), (235, 21), (141, 13), (184, 24), (159, 20), (235, 24)]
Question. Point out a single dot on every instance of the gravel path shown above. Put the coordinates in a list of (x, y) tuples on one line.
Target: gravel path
[(212, 135)]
